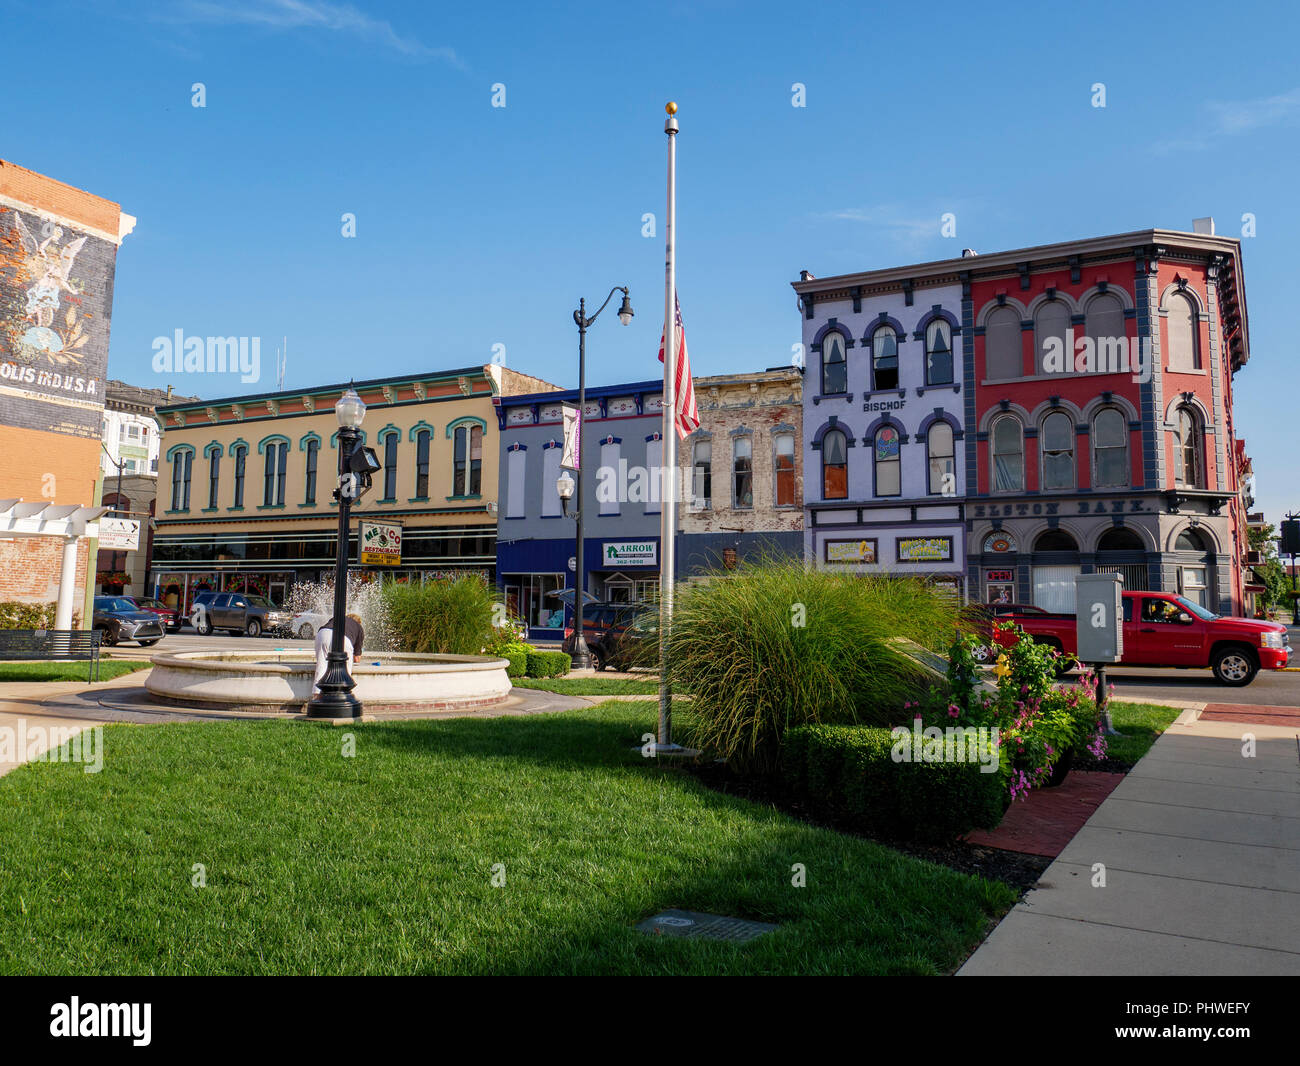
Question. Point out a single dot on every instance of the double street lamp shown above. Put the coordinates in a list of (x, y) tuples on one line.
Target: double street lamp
[(334, 700), (566, 485)]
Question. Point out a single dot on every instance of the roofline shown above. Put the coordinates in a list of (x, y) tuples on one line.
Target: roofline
[(523, 399), (1008, 261), (316, 390)]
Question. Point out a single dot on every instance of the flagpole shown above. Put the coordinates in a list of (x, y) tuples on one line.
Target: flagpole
[(668, 519)]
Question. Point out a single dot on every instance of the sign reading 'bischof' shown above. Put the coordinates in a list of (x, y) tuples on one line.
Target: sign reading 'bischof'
[(630, 553), (56, 289)]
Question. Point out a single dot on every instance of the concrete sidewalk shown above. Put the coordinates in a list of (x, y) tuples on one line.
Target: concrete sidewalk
[(23, 714), (1201, 849)]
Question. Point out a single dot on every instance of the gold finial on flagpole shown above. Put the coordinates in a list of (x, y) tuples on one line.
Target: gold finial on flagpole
[(671, 107)]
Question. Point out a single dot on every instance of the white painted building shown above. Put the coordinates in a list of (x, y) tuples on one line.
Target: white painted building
[(883, 419)]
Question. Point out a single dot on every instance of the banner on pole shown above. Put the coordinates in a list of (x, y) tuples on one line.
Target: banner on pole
[(571, 454)]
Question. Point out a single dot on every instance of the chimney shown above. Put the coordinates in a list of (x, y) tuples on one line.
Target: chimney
[(1203, 225), (805, 276), (968, 253), (169, 394)]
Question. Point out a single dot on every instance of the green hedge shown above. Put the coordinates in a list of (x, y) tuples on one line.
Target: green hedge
[(518, 663), (31, 616), (548, 663), (849, 773)]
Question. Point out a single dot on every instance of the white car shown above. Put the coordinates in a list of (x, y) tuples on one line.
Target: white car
[(304, 624)]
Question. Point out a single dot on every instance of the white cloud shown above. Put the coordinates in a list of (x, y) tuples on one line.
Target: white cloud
[(1228, 118), (311, 14)]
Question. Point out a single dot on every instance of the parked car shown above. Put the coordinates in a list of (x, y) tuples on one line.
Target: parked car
[(304, 624), (118, 618), (1163, 629), (171, 617), (239, 612), (618, 635), (202, 598)]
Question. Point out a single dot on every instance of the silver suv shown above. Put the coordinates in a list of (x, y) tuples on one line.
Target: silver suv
[(238, 612)]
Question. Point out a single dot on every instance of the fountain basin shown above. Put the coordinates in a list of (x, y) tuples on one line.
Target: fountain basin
[(281, 681)]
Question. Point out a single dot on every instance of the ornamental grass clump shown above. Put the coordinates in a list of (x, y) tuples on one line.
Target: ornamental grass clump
[(775, 645), (442, 616)]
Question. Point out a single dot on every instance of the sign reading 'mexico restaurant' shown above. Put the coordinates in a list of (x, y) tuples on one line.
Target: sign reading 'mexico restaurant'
[(380, 543)]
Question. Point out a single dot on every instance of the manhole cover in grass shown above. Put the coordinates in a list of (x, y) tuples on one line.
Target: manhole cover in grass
[(696, 926)]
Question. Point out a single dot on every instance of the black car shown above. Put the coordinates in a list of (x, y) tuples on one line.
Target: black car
[(119, 619), (618, 635)]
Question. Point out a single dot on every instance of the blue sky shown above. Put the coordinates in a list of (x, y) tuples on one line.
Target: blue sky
[(479, 226)]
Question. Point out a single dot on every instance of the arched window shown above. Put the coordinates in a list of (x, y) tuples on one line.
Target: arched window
[(277, 458), (182, 465), (1008, 455), (240, 452), (1104, 322), (422, 464), (390, 465), (214, 478), (1055, 540), (1184, 352), (938, 353), (1120, 539), (1057, 438), (835, 466), (1191, 540), (784, 469), (1003, 354), (742, 458), (888, 466), (702, 461), (943, 470), (1110, 449), (884, 358), (1187, 450), (467, 461), (835, 370), (313, 456), (1050, 347)]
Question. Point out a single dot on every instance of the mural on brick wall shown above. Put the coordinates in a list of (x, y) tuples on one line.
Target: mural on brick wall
[(56, 289)]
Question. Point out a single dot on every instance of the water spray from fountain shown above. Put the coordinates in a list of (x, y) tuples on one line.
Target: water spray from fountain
[(365, 600)]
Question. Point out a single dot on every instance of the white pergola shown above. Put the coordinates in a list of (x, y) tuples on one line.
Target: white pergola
[(71, 522)]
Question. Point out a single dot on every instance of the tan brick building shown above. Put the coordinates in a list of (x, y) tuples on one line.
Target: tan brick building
[(745, 471)]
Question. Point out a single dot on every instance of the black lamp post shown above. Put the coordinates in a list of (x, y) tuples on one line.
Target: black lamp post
[(335, 700), (581, 656)]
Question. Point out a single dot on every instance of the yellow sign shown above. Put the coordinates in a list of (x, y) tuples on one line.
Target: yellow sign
[(850, 551), (380, 544), (924, 549)]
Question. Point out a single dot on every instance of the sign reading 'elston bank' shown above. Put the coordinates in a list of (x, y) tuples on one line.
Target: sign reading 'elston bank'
[(630, 553)]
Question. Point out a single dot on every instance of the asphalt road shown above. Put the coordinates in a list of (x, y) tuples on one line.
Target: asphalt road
[(188, 640)]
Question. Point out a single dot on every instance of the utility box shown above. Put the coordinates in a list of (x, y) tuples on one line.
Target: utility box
[(1099, 617)]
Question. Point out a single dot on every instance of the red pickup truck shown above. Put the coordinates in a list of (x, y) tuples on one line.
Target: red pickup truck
[(1162, 629)]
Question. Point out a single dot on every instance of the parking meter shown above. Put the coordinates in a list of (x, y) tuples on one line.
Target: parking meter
[(1099, 628)]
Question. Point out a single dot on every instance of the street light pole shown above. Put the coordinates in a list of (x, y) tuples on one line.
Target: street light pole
[(581, 654), (335, 700)]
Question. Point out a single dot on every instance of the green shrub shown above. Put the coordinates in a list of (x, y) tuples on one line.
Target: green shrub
[(518, 663), (548, 663), (31, 616), (852, 773), (442, 617), (775, 645)]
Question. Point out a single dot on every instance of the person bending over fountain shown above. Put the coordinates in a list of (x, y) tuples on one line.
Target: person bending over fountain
[(354, 636)]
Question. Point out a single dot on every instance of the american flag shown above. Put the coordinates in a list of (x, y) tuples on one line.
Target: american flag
[(686, 415)]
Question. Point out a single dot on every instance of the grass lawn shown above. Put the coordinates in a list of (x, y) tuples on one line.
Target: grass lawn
[(382, 862), (1140, 724), (589, 686), (108, 668)]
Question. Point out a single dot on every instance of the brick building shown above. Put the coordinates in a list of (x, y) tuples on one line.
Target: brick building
[(744, 471), (1097, 392), (58, 256)]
